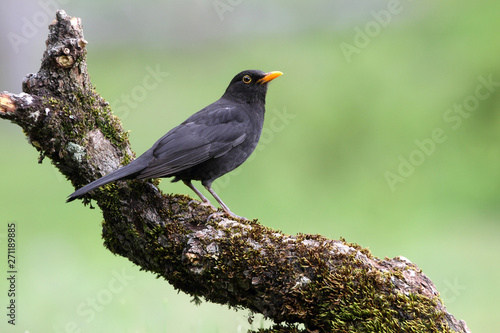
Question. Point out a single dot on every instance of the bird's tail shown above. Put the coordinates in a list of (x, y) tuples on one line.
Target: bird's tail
[(125, 172)]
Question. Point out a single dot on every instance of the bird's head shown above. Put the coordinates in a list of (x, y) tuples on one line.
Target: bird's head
[(250, 86)]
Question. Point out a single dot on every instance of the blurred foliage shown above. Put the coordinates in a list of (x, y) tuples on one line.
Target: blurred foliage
[(334, 128)]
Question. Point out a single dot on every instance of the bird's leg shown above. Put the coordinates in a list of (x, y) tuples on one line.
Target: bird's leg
[(222, 204), (203, 198)]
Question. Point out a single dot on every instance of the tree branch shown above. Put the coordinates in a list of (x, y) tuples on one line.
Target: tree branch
[(326, 285)]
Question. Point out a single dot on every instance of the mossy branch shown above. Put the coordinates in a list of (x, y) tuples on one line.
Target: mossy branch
[(326, 285)]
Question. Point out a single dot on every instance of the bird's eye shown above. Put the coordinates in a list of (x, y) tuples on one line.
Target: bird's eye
[(247, 79)]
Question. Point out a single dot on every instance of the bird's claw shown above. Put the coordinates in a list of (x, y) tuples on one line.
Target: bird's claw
[(215, 216), (201, 203), (219, 215)]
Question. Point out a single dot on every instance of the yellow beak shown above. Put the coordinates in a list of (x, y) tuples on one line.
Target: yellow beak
[(269, 76)]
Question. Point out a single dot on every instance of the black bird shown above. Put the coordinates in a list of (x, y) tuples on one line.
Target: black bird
[(209, 144)]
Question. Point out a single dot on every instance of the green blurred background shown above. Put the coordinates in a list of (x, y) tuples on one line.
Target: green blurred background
[(364, 81)]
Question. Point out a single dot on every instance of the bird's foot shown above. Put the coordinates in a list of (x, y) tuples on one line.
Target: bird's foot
[(204, 204), (201, 203), (215, 216), (219, 215)]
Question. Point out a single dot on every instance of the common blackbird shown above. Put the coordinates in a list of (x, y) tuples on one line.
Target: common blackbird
[(209, 144)]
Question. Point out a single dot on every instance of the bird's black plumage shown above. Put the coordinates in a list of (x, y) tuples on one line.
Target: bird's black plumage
[(209, 144)]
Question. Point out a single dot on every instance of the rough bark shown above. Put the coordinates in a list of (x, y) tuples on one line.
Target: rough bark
[(326, 285)]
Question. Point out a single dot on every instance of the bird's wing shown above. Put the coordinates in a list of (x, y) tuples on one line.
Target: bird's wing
[(196, 140)]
